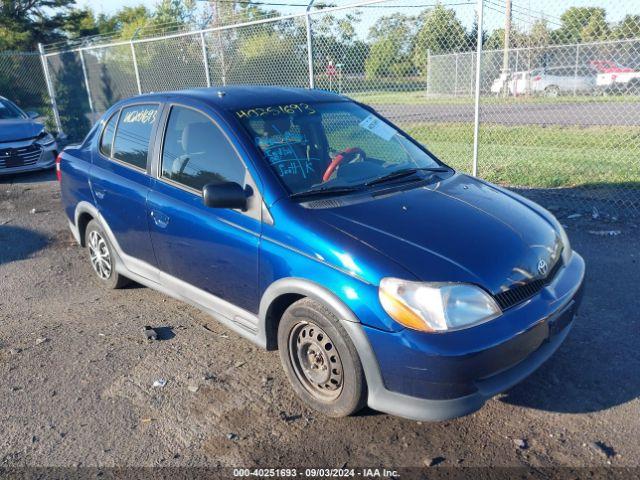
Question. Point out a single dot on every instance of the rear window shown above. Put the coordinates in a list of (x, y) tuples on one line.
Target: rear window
[(131, 143)]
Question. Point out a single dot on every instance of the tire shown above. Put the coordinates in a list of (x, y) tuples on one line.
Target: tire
[(552, 91), (320, 360), (102, 258)]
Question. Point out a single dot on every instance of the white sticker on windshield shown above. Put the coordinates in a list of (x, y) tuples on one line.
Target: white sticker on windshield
[(378, 127)]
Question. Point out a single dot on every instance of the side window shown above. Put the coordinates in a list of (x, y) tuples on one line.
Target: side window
[(196, 152), (131, 143), (106, 141)]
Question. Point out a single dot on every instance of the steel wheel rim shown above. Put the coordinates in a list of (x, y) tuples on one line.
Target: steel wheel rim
[(99, 255), (316, 361)]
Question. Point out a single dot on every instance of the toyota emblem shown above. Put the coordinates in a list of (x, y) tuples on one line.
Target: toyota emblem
[(543, 268)]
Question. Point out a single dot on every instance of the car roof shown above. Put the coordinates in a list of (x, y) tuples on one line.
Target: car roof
[(239, 97)]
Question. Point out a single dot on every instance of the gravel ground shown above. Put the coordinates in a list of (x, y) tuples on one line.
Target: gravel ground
[(77, 375)]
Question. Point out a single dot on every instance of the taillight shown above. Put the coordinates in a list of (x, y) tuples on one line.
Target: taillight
[(537, 78), (58, 171)]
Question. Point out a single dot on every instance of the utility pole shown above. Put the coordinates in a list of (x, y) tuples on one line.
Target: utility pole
[(505, 55)]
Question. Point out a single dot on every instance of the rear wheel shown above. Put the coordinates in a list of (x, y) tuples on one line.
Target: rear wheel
[(102, 258), (320, 360)]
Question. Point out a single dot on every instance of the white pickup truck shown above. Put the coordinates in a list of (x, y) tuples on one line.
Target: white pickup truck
[(613, 76)]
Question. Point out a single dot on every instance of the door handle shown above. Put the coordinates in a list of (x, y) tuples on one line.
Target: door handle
[(160, 219)]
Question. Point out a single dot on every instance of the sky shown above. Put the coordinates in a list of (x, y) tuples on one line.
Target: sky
[(524, 11)]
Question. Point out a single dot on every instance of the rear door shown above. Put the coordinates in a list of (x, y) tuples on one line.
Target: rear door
[(212, 249), (120, 181)]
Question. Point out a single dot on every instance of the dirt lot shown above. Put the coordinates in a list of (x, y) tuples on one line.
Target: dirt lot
[(76, 373)]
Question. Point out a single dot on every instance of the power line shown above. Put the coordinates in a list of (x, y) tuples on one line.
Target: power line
[(500, 8), (319, 8)]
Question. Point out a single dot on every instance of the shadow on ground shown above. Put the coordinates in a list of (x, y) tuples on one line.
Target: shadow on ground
[(17, 243), (598, 367), (28, 177)]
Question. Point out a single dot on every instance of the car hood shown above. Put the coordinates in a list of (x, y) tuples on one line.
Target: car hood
[(19, 129), (460, 229)]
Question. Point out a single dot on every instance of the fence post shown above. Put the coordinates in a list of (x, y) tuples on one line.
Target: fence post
[(135, 67), (50, 90), (476, 121), (307, 22), (205, 60), (86, 81), (428, 71), (455, 82), (575, 71)]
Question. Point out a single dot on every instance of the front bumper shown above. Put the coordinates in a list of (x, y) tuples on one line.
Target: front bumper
[(45, 160), (440, 376)]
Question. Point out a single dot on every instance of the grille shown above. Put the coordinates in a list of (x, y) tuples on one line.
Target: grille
[(19, 157), (519, 294)]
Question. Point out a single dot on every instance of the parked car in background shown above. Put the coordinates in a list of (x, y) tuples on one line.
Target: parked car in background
[(516, 83), (554, 81), (550, 81), (613, 77), (307, 223), (25, 145)]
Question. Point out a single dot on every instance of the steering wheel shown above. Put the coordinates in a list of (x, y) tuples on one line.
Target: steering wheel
[(337, 160)]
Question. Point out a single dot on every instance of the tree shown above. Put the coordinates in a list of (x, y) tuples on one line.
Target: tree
[(171, 15), (391, 41), (540, 34), (516, 39), (71, 96), (24, 23), (596, 29), (335, 40), (473, 35), (580, 24), (628, 28), (441, 32)]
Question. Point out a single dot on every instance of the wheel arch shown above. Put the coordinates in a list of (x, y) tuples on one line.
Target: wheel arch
[(84, 213), (286, 291)]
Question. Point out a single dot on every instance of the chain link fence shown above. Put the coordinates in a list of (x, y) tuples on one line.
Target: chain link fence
[(553, 110), (22, 80)]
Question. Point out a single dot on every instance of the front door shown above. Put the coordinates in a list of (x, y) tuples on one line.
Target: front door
[(214, 250)]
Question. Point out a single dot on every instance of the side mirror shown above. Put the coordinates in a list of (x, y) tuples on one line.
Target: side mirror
[(224, 195), (32, 115)]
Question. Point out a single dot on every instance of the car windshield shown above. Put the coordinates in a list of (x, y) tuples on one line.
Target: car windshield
[(332, 145), (9, 111)]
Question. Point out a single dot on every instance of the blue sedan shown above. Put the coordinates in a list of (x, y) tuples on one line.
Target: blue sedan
[(307, 223)]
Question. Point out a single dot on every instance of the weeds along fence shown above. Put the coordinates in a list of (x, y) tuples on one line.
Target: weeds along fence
[(555, 114)]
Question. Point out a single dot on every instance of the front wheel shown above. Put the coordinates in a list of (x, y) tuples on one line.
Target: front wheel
[(102, 257), (320, 360)]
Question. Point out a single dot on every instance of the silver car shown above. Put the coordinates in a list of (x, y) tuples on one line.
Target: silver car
[(553, 81), (25, 145)]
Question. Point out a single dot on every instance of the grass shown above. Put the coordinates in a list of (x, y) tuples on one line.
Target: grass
[(419, 98), (536, 156)]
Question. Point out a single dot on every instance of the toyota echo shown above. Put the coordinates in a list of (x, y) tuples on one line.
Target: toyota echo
[(307, 223)]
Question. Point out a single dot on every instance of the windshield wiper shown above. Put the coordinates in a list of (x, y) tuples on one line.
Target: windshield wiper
[(404, 172), (325, 191)]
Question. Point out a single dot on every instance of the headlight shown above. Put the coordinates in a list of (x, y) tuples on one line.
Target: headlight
[(436, 307), (45, 139)]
